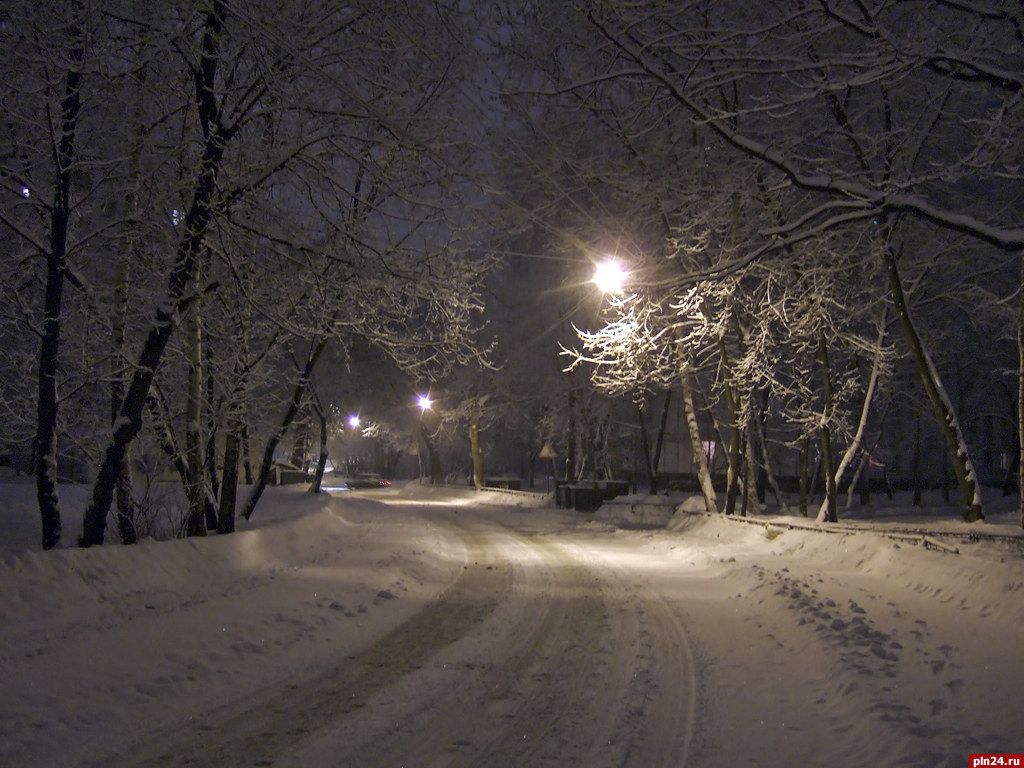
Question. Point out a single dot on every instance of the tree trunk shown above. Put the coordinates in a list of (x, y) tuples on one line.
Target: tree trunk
[(299, 456), (805, 480), (126, 511), (46, 409), (476, 448), (229, 482), (1020, 394), (759, 452), (321, 462), (746, 474), (570, 441), (124, 497), (246, 454), (735, 455), (700, 459), (751, 501), (196, 223), (211, 481), (861, 482), (645, 446), (210, 473), (194, 482), (659, 442), (433, 467), (854, 449), (732, 480), (963, 468), (828, 512), (766, 464), (168, 442), (56, 266), (127, 528), (916, 461), (301, 386)]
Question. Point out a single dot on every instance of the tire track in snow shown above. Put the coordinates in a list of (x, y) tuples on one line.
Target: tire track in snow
[(563, 672), (252, 733), (663, 697), (507, 693), (538, 654)]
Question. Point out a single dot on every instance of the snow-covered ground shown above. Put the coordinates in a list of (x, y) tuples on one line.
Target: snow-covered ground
[(445, 627)]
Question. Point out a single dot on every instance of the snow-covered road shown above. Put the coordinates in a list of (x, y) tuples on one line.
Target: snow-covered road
[(440, 628), (535, 654)]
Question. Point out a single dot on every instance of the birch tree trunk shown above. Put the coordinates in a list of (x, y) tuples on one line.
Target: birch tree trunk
[(854, 448), (828, 511), (700, 460), (963, 468)]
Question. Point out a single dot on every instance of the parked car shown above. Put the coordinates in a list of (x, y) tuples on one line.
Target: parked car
[(366, 481)]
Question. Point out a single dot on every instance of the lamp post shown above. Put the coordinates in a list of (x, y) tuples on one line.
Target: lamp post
[(433, 460)]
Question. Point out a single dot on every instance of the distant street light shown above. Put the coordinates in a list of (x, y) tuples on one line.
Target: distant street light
[(353, 421), (424, 402), (609, 276)]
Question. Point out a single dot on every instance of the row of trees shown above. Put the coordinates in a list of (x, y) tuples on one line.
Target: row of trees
[(200, 198), (809, 196), (204, 202)]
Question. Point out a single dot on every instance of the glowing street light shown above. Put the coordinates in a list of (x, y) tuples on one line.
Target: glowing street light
[(609, 276), (424, 402), (353, 421)]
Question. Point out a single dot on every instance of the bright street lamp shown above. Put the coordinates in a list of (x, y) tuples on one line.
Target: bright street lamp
[(424, 402), (353, 421), (609, 276)]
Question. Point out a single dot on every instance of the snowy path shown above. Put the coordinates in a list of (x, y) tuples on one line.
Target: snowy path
[(530, 657), (450, 629)]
